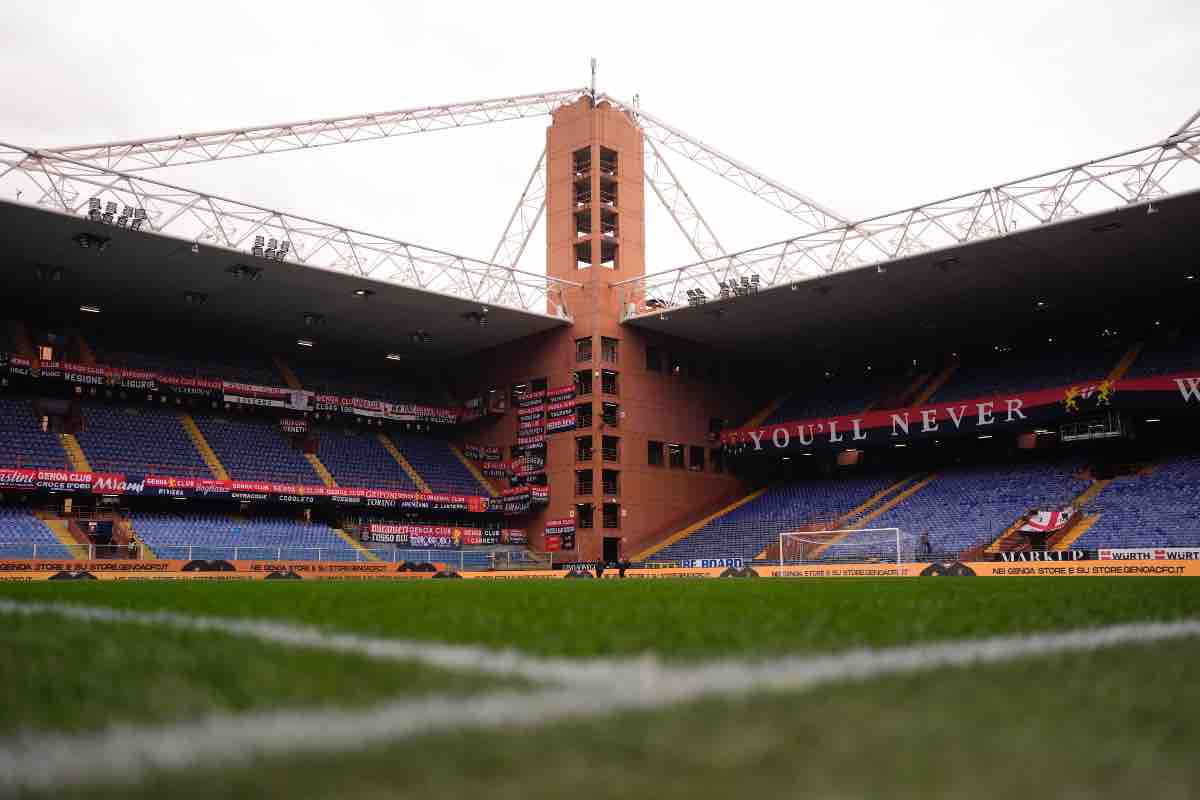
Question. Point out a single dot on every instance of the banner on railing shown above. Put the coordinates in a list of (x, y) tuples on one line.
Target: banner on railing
[(232, 392), (167, 486), (496, 469), (979, 416), (560, 409), (559, 534), (295, 426), (437, 537), (515, 500), (482, 452)]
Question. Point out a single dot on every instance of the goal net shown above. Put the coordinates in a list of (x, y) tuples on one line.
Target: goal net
[(848, 545)]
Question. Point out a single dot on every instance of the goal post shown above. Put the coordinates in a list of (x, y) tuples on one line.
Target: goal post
[(846, 545)]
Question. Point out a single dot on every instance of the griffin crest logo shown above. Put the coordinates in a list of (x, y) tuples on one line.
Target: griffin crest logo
[(1071, 398)]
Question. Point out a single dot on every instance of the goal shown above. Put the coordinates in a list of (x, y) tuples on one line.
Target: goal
[(847, 545)]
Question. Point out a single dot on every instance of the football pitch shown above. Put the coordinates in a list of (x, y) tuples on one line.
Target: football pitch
[(1049, 687)]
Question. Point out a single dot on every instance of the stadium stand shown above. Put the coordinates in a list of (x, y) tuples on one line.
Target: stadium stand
[(966, 506), (1023, 373), (22, 535), (1149, 510), (749, 529), (227, 366), (437, 465), (1166, 355), (256, 451), (22, 443), (828, 398), (337, 379), (226, 537), (359, 460), (142, 441)]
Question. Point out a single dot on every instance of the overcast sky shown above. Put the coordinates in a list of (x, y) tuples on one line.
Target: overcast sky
[(865, 106)]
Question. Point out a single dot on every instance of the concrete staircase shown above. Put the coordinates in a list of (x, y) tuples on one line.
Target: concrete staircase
[(1126, 362), (78, 546), (390, 446), (474, 470), (357, 545), (1062, 540), (286, 372), (939, 380), (700, 523), (203, 447), (74, 452), (766, 411), (321, 470)]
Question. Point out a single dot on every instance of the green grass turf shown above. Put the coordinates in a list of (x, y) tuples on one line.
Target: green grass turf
[(678, 619), (1118, 723), (65, 675)]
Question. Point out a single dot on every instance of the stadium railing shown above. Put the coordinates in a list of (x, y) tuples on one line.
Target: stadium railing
[(460, 559)]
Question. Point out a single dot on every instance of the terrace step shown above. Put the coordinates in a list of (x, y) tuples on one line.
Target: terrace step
[(766, 411), (287, 373), (321, 470), (394, 451), (938, 382), (61, 529), (203, 447), (1126, 362), (474, 470), (357, 545), (75, 454), (695, 526)]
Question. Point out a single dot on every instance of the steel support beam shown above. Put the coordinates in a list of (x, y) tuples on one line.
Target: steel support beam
[(167, 151), (524, 218), (812, 215), (204, 219), (679, 205), (1128, 178)]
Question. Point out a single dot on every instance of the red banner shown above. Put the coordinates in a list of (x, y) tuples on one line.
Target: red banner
[(975, 416)]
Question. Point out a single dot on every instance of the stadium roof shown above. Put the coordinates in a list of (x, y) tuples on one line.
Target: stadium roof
[(1138, 254), (140, 272)]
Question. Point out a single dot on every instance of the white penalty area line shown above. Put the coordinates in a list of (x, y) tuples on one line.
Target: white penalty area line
[(128, 753)]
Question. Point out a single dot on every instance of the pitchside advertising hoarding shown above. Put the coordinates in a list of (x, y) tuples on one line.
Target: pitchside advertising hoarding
[(28, 570), (980, 416), (1149, 554)]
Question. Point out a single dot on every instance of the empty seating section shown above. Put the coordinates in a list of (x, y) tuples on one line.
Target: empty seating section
[(228, 367), (23, 535), (827, 398), (256, 451), (361, 461), (141, 441), (968, 506), (1017, 374), (23, 443), (333, 379), (437, 465), (749, 529), (459, 559), (1175, 354), (223, 537), (1155, 510)]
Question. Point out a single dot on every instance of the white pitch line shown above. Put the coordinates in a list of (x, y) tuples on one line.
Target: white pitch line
[(461, 658), (126, 754)]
